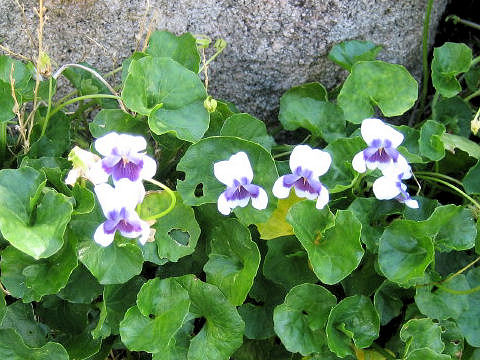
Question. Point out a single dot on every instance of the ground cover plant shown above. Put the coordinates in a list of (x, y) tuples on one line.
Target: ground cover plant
[(147, 220)]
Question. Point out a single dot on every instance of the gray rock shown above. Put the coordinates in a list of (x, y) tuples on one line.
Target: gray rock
[(272, 44)]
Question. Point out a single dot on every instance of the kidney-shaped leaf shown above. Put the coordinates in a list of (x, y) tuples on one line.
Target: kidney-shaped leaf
[(332, 243), (300, 321), (152, 81), (353, 318), (247, 127), (422, 333), (32, 226), (376, 83), (350, 52)]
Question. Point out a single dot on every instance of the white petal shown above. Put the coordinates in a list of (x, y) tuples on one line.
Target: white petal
[(412, 203), (241, 202), (107, 198), (395, 169), (316, 160), (385, 188), (305, 194), (96, 174), (72, 177), (106, 143), (323, 198), (235, 168), (279, 190), (101, 237), (149, 168), (131, 193), (222, 204), (133, 143), (372, 129), (145, 232), (359, 163), (261, 201)]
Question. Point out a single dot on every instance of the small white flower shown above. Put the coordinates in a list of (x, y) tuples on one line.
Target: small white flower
[(118, 205), (125, 157), (390, 186), (382, 141), (237, 174), (307, 166), (87, 165)]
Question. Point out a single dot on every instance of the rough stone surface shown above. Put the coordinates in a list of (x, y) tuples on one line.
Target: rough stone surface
[(272, 44)]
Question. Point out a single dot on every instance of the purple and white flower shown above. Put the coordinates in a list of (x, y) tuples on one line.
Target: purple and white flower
[(390, 186), (86, 165), (237, 174), (382, 141), (118, 204), (307, 166), (124, 157)]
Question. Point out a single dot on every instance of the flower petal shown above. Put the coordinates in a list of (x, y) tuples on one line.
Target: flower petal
[(305, 194), (399, 169), (145, 232), (279, 189), (222, 204), (96, 174), (149, 168), (235, 168), (386, 187), (373, 129), (323, 198), (105, 144), (315, 160), (261, 201), (412, 203), (132, 143), (107, 198), (359, 163), (131, 193), (72, 176), (103, 238)]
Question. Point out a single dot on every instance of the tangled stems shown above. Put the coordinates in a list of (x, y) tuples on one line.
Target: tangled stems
[(458, 292), (172, 202)]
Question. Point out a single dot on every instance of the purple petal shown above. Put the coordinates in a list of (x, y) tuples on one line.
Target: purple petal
[(253, 190), (236, 193), (290, 179), (309, 185), (128, 170), (392, 152)]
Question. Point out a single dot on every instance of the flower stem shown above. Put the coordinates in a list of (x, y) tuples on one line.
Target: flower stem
[(456, 19), (453, 187), (440, 175), (3, 140), (172, 202), (426, 73)]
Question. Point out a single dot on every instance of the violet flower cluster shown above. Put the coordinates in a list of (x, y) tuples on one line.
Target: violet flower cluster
[(307, 165), (125, 161)]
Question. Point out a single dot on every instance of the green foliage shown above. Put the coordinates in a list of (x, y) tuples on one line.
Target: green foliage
[(347, 53)]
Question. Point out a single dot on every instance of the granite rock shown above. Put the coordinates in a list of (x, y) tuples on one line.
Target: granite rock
[(272, 44)]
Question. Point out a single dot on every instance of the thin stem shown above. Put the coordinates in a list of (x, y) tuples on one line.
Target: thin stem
[(461, 270), (453, 187), (3, 140), (440, 175), (426, 73), (113, 72), (84, 97), (172, 202), (382, 351), (475, 61), (456, 19), (219, 51), (50, 94), (471, 96), (459, 292)]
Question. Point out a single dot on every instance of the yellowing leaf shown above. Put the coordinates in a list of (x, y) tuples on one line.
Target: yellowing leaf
[(277, 225)]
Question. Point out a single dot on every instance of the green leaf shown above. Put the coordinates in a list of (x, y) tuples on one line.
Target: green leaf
[(373, 214), (222, 333), (455, 113), (470, 181), (20, 317), (114, 264), (364, 280), (223, 111), (450, 60), (452, 337), (287, 254), (258, 320), (108, 120), (162, 306), (452, 142), (353, 318), (431, 144), (325, 237), (177, 233), (306, 106), (54, 168), (347, 53), (388, 301), (182, 49), (3, 306), (82, 287), (22, 76), (153, 81), (247, 127), (6, 102), (390, 87), (277, 226), (300, 321), (341, 175), (233, 260), (29, 279), (410, 146), (425, 353), (440, 304), (404, 251), (266, 349), (117, 299), (13, 348), (197, 163), (86, 83), (56, 140), (469, 321), (37, 231), (422, 333)]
